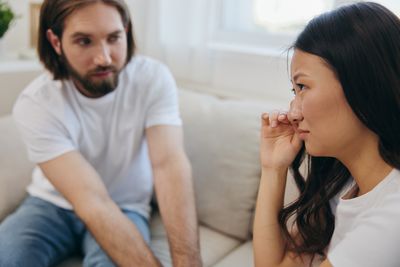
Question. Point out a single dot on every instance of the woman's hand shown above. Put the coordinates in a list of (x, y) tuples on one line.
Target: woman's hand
[(279, 141)]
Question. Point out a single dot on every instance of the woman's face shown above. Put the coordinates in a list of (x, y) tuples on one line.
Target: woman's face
[(319, 111)]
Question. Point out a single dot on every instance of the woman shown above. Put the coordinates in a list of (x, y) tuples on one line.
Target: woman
[(345, 120)]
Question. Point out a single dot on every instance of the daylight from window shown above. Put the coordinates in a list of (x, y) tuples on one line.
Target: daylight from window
[(287, 15)]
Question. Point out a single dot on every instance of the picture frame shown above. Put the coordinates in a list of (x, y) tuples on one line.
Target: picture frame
[(34, 13)]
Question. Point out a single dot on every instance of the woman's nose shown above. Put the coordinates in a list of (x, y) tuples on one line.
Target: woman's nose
[(295, 114)]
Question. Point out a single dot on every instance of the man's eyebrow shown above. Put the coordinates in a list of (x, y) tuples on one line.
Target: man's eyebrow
[(116, 32), (83, 34), (80, 34)]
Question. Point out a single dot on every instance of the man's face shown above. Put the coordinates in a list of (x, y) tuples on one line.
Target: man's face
[(94, 48)]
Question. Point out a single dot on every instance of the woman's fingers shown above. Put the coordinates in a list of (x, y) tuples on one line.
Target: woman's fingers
[(283, 117), (265, 119), (273, 119)]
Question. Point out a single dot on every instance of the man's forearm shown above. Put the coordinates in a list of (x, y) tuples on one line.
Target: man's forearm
[(116, 234), (81, 185), (175, 195)]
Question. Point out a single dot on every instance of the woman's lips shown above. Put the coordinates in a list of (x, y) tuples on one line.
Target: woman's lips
[(302, 133)]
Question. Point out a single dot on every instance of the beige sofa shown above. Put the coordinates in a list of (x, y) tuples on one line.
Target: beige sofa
[(221, 139)]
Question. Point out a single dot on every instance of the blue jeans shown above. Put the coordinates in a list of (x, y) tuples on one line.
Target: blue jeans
[(40, 234)]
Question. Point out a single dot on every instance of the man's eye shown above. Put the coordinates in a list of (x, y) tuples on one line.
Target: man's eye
[(113, 39), (84, 41)]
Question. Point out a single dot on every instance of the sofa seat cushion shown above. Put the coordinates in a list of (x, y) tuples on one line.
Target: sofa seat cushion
[(241, 256), (214, 245)]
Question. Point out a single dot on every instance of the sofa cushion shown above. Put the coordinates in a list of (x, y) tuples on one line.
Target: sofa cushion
[(222, 143), (15, 169), (213, 245), (241, 256)]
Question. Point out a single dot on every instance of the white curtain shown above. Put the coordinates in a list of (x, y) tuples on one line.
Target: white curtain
[(177, 33)]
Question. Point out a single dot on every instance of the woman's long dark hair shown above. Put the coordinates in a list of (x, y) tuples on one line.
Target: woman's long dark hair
[(361, 44)]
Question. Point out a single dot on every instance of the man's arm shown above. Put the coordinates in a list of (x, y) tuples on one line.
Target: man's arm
[(81, 185), (174, 190), (326, 263)]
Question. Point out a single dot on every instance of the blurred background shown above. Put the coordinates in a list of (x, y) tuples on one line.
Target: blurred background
[(231, 48)]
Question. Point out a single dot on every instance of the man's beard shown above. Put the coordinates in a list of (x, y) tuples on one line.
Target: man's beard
[(95, 89)]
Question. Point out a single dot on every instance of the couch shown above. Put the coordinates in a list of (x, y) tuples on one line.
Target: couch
[(221, 140)]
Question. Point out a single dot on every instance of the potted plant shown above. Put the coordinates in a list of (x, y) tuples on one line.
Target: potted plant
[(6, 17)]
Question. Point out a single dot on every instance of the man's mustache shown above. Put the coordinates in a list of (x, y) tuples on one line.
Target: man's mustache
[(103, 69)]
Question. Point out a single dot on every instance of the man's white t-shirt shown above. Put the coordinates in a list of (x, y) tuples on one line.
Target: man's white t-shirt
[(367, 228), (54, 118)]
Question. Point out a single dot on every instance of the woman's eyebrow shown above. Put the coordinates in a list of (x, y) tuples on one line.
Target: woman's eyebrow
[(299, 74)]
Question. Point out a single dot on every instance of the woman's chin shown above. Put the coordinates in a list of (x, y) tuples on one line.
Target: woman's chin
[(314, 151)]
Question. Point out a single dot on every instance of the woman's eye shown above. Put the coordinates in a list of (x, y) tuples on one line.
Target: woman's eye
[(300, 86)]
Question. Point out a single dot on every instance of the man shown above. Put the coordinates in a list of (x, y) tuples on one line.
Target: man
[(100, 126)]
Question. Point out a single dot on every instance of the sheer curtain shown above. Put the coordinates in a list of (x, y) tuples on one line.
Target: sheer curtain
[(176, 32)]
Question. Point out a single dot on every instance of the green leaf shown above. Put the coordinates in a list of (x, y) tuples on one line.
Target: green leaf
[(6, 17)]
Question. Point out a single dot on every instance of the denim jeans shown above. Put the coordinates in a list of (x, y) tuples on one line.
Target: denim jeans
[(40, 234)]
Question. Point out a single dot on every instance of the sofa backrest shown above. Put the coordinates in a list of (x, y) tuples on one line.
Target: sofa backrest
[(222, 143)]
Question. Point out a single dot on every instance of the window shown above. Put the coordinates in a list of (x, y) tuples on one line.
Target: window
[(270, 15), (286, 15), (270, 24)]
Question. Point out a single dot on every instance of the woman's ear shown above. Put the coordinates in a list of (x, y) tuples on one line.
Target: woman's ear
[(54, 41)]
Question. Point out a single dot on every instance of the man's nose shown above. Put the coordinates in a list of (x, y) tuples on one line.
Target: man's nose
[(103, 56), (295, 114)]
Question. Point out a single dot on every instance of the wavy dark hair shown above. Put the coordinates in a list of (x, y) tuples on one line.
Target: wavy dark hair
[(361, 44), (52, 16)]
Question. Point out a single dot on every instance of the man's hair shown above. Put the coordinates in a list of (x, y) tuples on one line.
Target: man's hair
[(53, 14)]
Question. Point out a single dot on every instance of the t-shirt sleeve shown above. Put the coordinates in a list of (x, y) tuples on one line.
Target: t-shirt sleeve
[(163, 108), (374, 241), (44, 135)]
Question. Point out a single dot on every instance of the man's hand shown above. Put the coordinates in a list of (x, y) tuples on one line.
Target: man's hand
[(80, 184), (175, 194)]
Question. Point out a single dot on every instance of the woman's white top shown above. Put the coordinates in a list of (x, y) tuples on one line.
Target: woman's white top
[(367, 228)]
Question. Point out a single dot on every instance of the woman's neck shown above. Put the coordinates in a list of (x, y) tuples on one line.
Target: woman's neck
[(366, 166)]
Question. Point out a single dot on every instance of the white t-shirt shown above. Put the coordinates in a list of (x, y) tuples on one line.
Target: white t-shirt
[(367, 228), (54, 118)]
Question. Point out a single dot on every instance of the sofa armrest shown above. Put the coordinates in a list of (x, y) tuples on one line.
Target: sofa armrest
[(15, 169)]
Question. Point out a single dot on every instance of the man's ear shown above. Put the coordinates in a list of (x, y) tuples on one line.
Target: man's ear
[(54, 41)]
